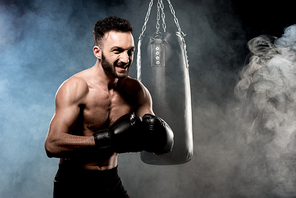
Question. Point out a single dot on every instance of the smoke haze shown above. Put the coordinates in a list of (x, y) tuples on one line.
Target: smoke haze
[(267, 90), (244, 135)]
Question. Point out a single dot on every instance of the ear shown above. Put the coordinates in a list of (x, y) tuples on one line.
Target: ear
[(97, 52)]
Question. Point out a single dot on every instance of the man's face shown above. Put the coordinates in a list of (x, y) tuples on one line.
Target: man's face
[(118, 52)]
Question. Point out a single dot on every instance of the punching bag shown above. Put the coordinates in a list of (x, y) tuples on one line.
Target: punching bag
[(162, 66)]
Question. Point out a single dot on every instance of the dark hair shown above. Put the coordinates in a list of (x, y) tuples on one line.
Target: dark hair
[(110, 23)]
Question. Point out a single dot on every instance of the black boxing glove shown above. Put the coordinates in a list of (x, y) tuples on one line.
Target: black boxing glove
[(122, 136), (160, 137)]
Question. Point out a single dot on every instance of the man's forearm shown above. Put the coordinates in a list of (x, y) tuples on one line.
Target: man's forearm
[(67, 145)]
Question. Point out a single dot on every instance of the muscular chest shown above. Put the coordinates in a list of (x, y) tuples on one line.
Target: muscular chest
[(104, 107)]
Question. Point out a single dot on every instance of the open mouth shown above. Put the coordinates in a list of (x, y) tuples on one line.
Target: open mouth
[(122, 67)]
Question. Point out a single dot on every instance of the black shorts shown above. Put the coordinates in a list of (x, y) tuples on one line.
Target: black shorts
[(77, 183)]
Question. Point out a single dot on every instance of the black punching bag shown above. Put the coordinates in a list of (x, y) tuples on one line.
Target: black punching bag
[(162, 66)]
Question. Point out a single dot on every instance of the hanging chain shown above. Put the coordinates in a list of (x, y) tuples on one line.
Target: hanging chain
[(160, 8), (158, 17), (146, 19), (163, 16), (175, 18)]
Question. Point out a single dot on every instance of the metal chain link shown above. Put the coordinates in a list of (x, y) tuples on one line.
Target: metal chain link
[(163, 16), (160, 7), (158, 17), (146, 19), (175, 18)]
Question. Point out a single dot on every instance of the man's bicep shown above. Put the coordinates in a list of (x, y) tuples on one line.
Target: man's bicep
[(58, 134), (145, 104), (67, 109), (64, 119), (144, 109)]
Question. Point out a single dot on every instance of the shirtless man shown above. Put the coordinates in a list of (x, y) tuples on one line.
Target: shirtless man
[(99, 113)]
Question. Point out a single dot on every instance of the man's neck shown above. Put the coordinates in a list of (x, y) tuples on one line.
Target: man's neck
[(113, 84)]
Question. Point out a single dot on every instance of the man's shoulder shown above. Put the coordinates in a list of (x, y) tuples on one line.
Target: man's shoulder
[(73, 88), (132, 82), (75, 82), (132, 85), (135, 88), (138, 93)]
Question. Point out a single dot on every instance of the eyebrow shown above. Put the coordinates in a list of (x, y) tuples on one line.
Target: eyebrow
[(116, 47)]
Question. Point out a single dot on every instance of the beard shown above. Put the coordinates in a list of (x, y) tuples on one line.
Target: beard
[(111, 68)]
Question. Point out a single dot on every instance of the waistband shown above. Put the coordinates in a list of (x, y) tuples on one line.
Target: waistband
[(67, 172)]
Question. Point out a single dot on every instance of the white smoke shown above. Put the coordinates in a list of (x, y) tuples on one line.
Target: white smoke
[(268, 91)]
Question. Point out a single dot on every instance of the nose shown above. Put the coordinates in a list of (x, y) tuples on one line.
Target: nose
[(124, 58)]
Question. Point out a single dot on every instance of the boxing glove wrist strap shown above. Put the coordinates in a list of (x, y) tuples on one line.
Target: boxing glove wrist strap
[(103, 139)]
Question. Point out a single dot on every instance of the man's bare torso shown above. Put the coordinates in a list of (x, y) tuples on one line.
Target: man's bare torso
[(99, 108)]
